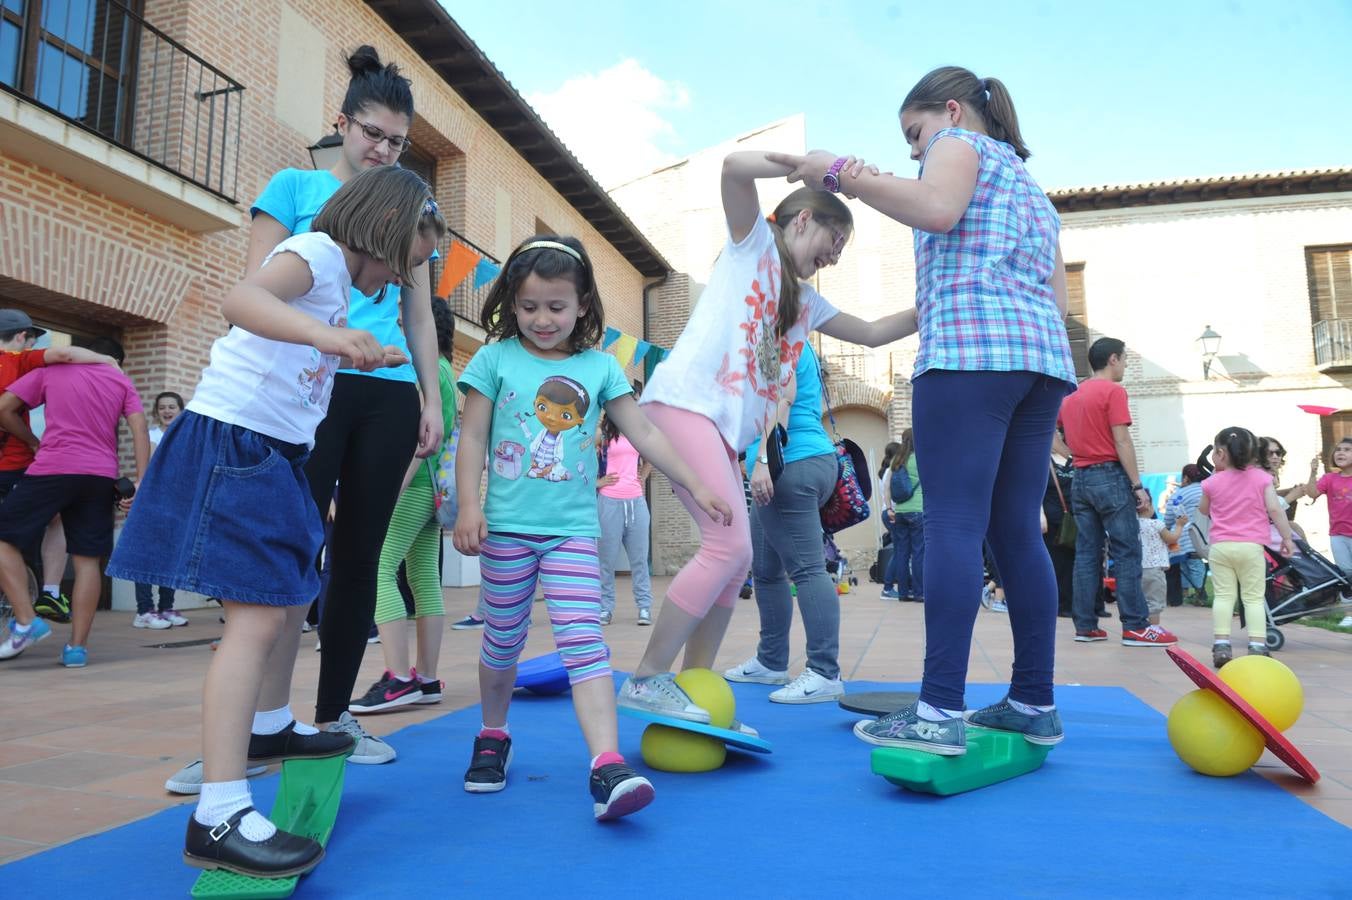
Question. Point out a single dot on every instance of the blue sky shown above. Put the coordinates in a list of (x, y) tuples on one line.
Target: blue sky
[(1106, 93)]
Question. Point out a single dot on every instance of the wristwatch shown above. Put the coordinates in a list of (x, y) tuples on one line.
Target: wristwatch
[(763, 459), (1138, 486), (831, 180)]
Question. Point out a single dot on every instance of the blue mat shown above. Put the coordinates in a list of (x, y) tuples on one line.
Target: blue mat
[(1112, 813)]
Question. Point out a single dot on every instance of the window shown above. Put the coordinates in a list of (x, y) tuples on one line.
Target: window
[(72, 56), (1334, 428), (1329, 271), (1077, 319)]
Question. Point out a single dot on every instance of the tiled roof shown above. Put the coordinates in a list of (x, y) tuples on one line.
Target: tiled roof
[(1197, 190)]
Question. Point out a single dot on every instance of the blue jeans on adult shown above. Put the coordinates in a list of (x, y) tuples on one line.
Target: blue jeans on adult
[(1103, 503), (906, 568), (145, 602), (786, 542), (983, 441)]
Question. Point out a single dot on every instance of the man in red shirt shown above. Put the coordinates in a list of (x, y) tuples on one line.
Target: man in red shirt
[(1105, 494), (18, 358)]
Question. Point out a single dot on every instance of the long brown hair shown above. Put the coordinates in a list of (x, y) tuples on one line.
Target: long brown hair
[(907, 447), (828, 209), (988, 98), (381, 211), (499, 316)]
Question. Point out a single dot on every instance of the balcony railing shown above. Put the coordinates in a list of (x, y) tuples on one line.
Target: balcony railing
[(1333, 344), (100, 66), (871, 368)]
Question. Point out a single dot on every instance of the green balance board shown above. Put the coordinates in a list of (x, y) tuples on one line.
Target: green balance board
[(991, 757), (307, 804)]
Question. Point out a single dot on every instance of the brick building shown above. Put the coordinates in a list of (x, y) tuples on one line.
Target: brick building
[(131, 146)]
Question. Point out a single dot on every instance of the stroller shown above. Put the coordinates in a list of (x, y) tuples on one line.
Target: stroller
[(1306, 584)]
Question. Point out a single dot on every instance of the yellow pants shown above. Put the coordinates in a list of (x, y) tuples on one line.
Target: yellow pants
[(1238, 570)]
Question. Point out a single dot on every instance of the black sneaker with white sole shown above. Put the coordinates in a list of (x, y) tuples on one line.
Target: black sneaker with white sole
[(431, 691), (487, 772), (617, 790)]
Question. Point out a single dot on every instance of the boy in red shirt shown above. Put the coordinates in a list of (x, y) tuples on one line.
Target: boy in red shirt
[(1105, 493)]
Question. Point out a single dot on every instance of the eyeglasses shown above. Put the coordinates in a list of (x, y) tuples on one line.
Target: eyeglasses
[(837, 239), (398, 143), (1280, 454)]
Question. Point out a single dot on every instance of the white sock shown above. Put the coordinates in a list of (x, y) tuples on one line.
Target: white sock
[(934, 714), (53, 589), (404, 678), (275, 720), (427, 679), (504, 728), (222, 799), (1221, 642), (15, 627), (1029, 709)]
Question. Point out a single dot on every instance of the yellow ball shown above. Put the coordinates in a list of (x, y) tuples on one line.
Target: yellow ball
[(677, 750), (1211, 737), (1269, 686), (710, 692)]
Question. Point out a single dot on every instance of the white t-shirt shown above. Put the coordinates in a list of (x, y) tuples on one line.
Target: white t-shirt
[(273, 387), (156, 432), (1154, 552), (728, 364)]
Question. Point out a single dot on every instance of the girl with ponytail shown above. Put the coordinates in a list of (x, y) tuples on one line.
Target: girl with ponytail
[(993, 366)]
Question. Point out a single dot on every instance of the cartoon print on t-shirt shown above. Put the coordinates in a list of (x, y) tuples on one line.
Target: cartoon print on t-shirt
[(560, 406), (315, 378)]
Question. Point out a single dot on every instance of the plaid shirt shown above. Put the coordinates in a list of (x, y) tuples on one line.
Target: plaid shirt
[(984, 294)]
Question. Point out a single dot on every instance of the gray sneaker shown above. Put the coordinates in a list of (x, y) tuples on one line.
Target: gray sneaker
[(1043, 729), (188, 780), (371, 750), (662, 695), (904, 728)]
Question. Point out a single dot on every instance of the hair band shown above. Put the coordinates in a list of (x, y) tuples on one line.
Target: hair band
[(568, 382), (553, 245)]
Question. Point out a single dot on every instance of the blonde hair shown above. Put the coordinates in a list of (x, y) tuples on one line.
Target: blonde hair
[(380, 212), (826, 209), (987, 98)]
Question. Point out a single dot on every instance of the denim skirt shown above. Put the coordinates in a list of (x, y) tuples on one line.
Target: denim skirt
[(226, 512)]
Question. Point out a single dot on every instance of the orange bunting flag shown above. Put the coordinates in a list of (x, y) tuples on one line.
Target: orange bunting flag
[(460, 261)]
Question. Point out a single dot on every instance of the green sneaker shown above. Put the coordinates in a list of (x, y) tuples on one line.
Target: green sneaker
[(53, 607), (1043, 728), (904, 728)]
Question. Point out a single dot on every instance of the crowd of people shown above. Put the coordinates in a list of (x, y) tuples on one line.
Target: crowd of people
[(337, 371)]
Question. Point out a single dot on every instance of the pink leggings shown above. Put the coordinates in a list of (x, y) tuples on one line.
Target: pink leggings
[(718, 569)]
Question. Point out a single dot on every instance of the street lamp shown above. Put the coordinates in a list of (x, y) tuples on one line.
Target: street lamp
[(325, 151), (1211, 343)]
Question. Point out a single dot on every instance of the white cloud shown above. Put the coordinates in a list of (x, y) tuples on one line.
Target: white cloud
[(614, 120)]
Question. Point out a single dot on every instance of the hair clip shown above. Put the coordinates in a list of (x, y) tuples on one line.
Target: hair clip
[(430, 208)]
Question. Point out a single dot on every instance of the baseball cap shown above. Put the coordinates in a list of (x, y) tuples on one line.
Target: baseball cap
[(14, 320)]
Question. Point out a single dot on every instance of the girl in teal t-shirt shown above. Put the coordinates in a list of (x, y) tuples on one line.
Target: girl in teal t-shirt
[(533, 398)]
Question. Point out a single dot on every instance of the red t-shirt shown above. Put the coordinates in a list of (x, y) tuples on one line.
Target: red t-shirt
[(1087, 419), (14, 453)]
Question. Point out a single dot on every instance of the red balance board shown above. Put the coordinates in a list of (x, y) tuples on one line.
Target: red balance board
[(1276, 742)]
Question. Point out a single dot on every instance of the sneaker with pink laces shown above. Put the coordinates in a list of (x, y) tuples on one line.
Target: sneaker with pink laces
[(1150, 636)]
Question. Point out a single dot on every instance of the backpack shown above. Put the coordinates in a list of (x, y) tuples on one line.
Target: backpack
[(902, 486)]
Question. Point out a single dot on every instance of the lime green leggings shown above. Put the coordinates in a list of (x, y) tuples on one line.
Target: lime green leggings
[(413, 538)]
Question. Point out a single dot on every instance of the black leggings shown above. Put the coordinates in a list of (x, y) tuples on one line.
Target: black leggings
[(366, 443)]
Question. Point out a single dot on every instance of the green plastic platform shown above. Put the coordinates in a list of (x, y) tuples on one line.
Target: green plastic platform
[(307, 804), (991, 757)]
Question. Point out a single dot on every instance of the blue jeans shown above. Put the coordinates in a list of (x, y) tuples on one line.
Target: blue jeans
[(786, 542), (1103, 503), (983, 440), (906, 568), (145, 602)]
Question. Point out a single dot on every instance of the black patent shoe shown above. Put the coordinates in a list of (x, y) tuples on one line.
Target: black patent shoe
[(281, 856), (265, 749)]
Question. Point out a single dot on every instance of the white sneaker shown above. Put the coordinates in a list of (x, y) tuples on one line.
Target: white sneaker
[(188, 780), (810, 687), (662, 695), (645, 617), (173, 617), (752, 672), (370, 750), (151, 620), (1346, 622)]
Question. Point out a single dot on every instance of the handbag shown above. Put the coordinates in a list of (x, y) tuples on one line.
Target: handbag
[(848, 503), (1068, 533), (1199, 529), (774, 452), (442, 469)]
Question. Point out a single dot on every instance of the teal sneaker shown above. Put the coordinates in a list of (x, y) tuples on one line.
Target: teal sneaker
[(905, 729), (1043, 729), (16, 643), (74, 657)]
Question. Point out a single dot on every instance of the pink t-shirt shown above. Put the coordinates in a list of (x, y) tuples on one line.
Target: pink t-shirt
[(83, 406), (1338, 488), (1238, 508), (622, 460)]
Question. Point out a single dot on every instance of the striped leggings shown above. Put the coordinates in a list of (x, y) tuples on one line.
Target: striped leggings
[(413, 538), (569, 570)]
